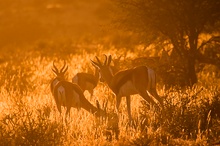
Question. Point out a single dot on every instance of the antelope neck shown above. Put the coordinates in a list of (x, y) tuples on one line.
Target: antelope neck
[(109, 79), (85, 104)]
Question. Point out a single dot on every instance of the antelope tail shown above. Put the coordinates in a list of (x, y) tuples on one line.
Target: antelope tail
[(151, 78)]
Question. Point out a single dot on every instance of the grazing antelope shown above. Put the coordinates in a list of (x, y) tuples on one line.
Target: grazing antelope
[(87, 81), (137, 80), (69, 95)]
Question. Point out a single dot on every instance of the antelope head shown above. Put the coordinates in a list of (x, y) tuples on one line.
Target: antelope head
[(60, 73), (104, 69), (112, 120)]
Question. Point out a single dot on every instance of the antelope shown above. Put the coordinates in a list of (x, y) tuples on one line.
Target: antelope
[(60, 75), (139, 80), (87, 81), (69, 95), (116, 66)]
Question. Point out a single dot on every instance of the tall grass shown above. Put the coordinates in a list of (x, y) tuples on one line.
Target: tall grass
[(29, 115)]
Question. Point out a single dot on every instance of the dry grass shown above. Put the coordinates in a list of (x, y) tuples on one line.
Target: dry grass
[(29, 116)]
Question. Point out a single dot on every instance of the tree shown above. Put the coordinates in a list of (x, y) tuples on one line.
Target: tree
[(179, 23)]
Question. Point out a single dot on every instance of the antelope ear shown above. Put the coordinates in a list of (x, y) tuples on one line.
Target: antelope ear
[(95, 64)]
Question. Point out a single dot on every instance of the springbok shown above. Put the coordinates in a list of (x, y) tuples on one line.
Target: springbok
[(87, 81), (116, 67), (69, 95), (60, 75), (128, 82)]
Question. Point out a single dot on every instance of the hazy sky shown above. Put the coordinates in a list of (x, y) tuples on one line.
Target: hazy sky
[(25, 21)]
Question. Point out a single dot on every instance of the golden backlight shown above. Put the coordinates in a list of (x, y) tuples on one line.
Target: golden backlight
[(27, 21), (75, 35)]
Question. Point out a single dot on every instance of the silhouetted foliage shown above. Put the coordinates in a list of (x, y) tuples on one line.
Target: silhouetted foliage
[(190, 29)]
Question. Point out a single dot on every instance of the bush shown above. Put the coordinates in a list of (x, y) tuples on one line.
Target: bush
[(23, 125), (189, 115)]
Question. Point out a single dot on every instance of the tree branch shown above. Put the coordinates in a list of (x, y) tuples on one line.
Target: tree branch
[(205, 59), (212, 39)]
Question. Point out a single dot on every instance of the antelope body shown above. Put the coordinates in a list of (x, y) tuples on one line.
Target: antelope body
[(139, 80), (69, 95), (86, 81), (72, 96)]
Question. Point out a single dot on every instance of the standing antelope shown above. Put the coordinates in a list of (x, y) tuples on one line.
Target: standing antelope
[(59, 75), (87, 81), (116, 67), (137, 80), (65, 94), (69, 95)]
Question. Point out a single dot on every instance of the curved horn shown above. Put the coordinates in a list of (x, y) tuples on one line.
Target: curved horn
[(99, 62), (63, 71), (95, 64), (54, 69), (64, 66), (106, 58), (109, 60)]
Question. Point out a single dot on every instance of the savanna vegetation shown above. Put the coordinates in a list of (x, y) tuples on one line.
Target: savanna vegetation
[(43, 31)]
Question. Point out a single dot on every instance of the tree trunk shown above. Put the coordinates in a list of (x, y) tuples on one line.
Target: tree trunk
[(193, 42), (192, 78)]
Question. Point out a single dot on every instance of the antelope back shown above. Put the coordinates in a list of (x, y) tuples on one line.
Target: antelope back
[(67, 94)]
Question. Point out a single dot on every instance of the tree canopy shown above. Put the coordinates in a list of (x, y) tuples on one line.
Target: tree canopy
[(192, 28)]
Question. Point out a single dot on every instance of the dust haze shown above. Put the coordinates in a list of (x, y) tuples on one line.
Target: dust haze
[(28, 21)]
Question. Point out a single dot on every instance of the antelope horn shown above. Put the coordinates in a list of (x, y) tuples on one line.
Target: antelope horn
[(54, 69), (95, 64), (106, 58), (109, 60), (99, 62), (64, 68)]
